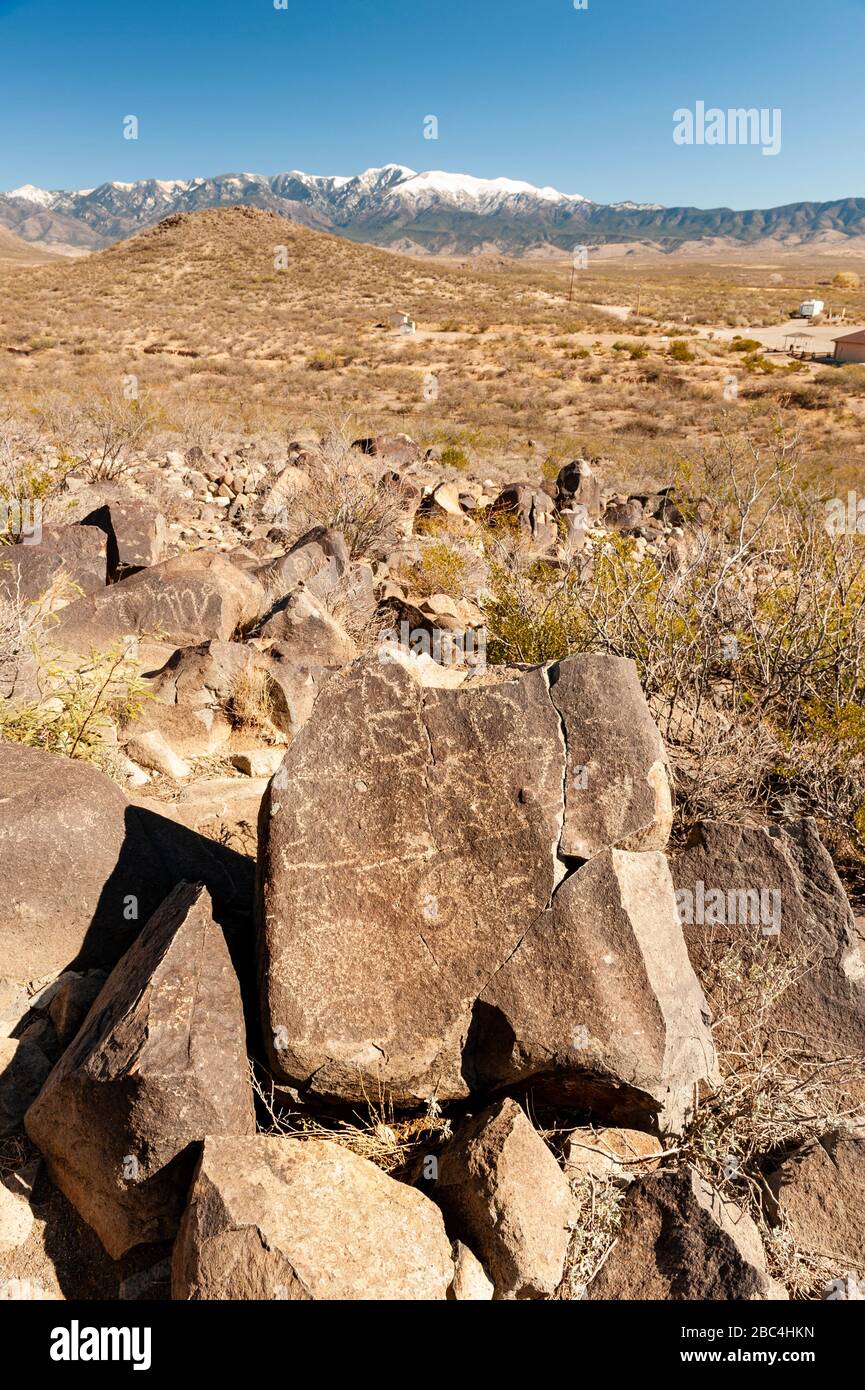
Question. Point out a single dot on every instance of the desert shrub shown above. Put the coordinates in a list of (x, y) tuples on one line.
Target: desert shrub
[(808, 396), (680, 352), (846, 280), (440, 570), (98, 436), (757, 362), (454, 456), (598, 1204), (26, 475), (345, 494), (847, 380), (552, 467), (198, 425), (740, 344), (325, 360), (635, 351), (752, 653), (76, 707)]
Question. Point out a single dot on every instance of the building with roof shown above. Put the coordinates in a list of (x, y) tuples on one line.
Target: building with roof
[(850, 348)]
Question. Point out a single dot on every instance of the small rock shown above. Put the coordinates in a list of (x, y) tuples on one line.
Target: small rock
[(151, 750), (258, 762), (501, 1188), (471, 1284), (623, 1154)]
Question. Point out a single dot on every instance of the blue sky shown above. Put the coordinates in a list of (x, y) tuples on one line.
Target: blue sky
[(530, 89)]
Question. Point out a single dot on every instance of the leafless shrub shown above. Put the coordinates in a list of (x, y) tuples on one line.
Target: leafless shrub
[(198, 424), (345, 493), (99, 435)]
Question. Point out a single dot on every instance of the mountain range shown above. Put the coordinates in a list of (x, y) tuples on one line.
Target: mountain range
[(434, 212)]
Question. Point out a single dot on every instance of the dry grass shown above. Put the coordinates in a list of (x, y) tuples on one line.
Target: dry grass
[(251, 705), (393, 1143), (597, 1216)]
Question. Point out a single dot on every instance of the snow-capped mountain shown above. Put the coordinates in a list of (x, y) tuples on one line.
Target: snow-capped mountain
[(392, 186), (435, 209), (396, 206)]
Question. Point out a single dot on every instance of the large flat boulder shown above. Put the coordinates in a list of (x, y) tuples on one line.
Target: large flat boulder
[(392, 803), (276, 1218), (159, 1063), (184, 600), (410, 845), (680, 1240)]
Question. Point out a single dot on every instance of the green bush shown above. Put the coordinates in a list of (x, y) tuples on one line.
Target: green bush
[(453, 456), (680, 352)]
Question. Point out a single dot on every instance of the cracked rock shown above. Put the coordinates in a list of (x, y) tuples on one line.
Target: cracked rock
[(406, 842), (600, 1003), (411, 845), (617, 772)]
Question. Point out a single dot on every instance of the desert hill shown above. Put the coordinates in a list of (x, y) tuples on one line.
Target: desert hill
[(241, 282), (20, 252)]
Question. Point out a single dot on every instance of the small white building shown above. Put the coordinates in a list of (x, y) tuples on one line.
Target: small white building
[(810, 308), (851, 348)]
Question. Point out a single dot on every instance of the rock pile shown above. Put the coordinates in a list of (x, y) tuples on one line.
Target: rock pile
[(378, 875)]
